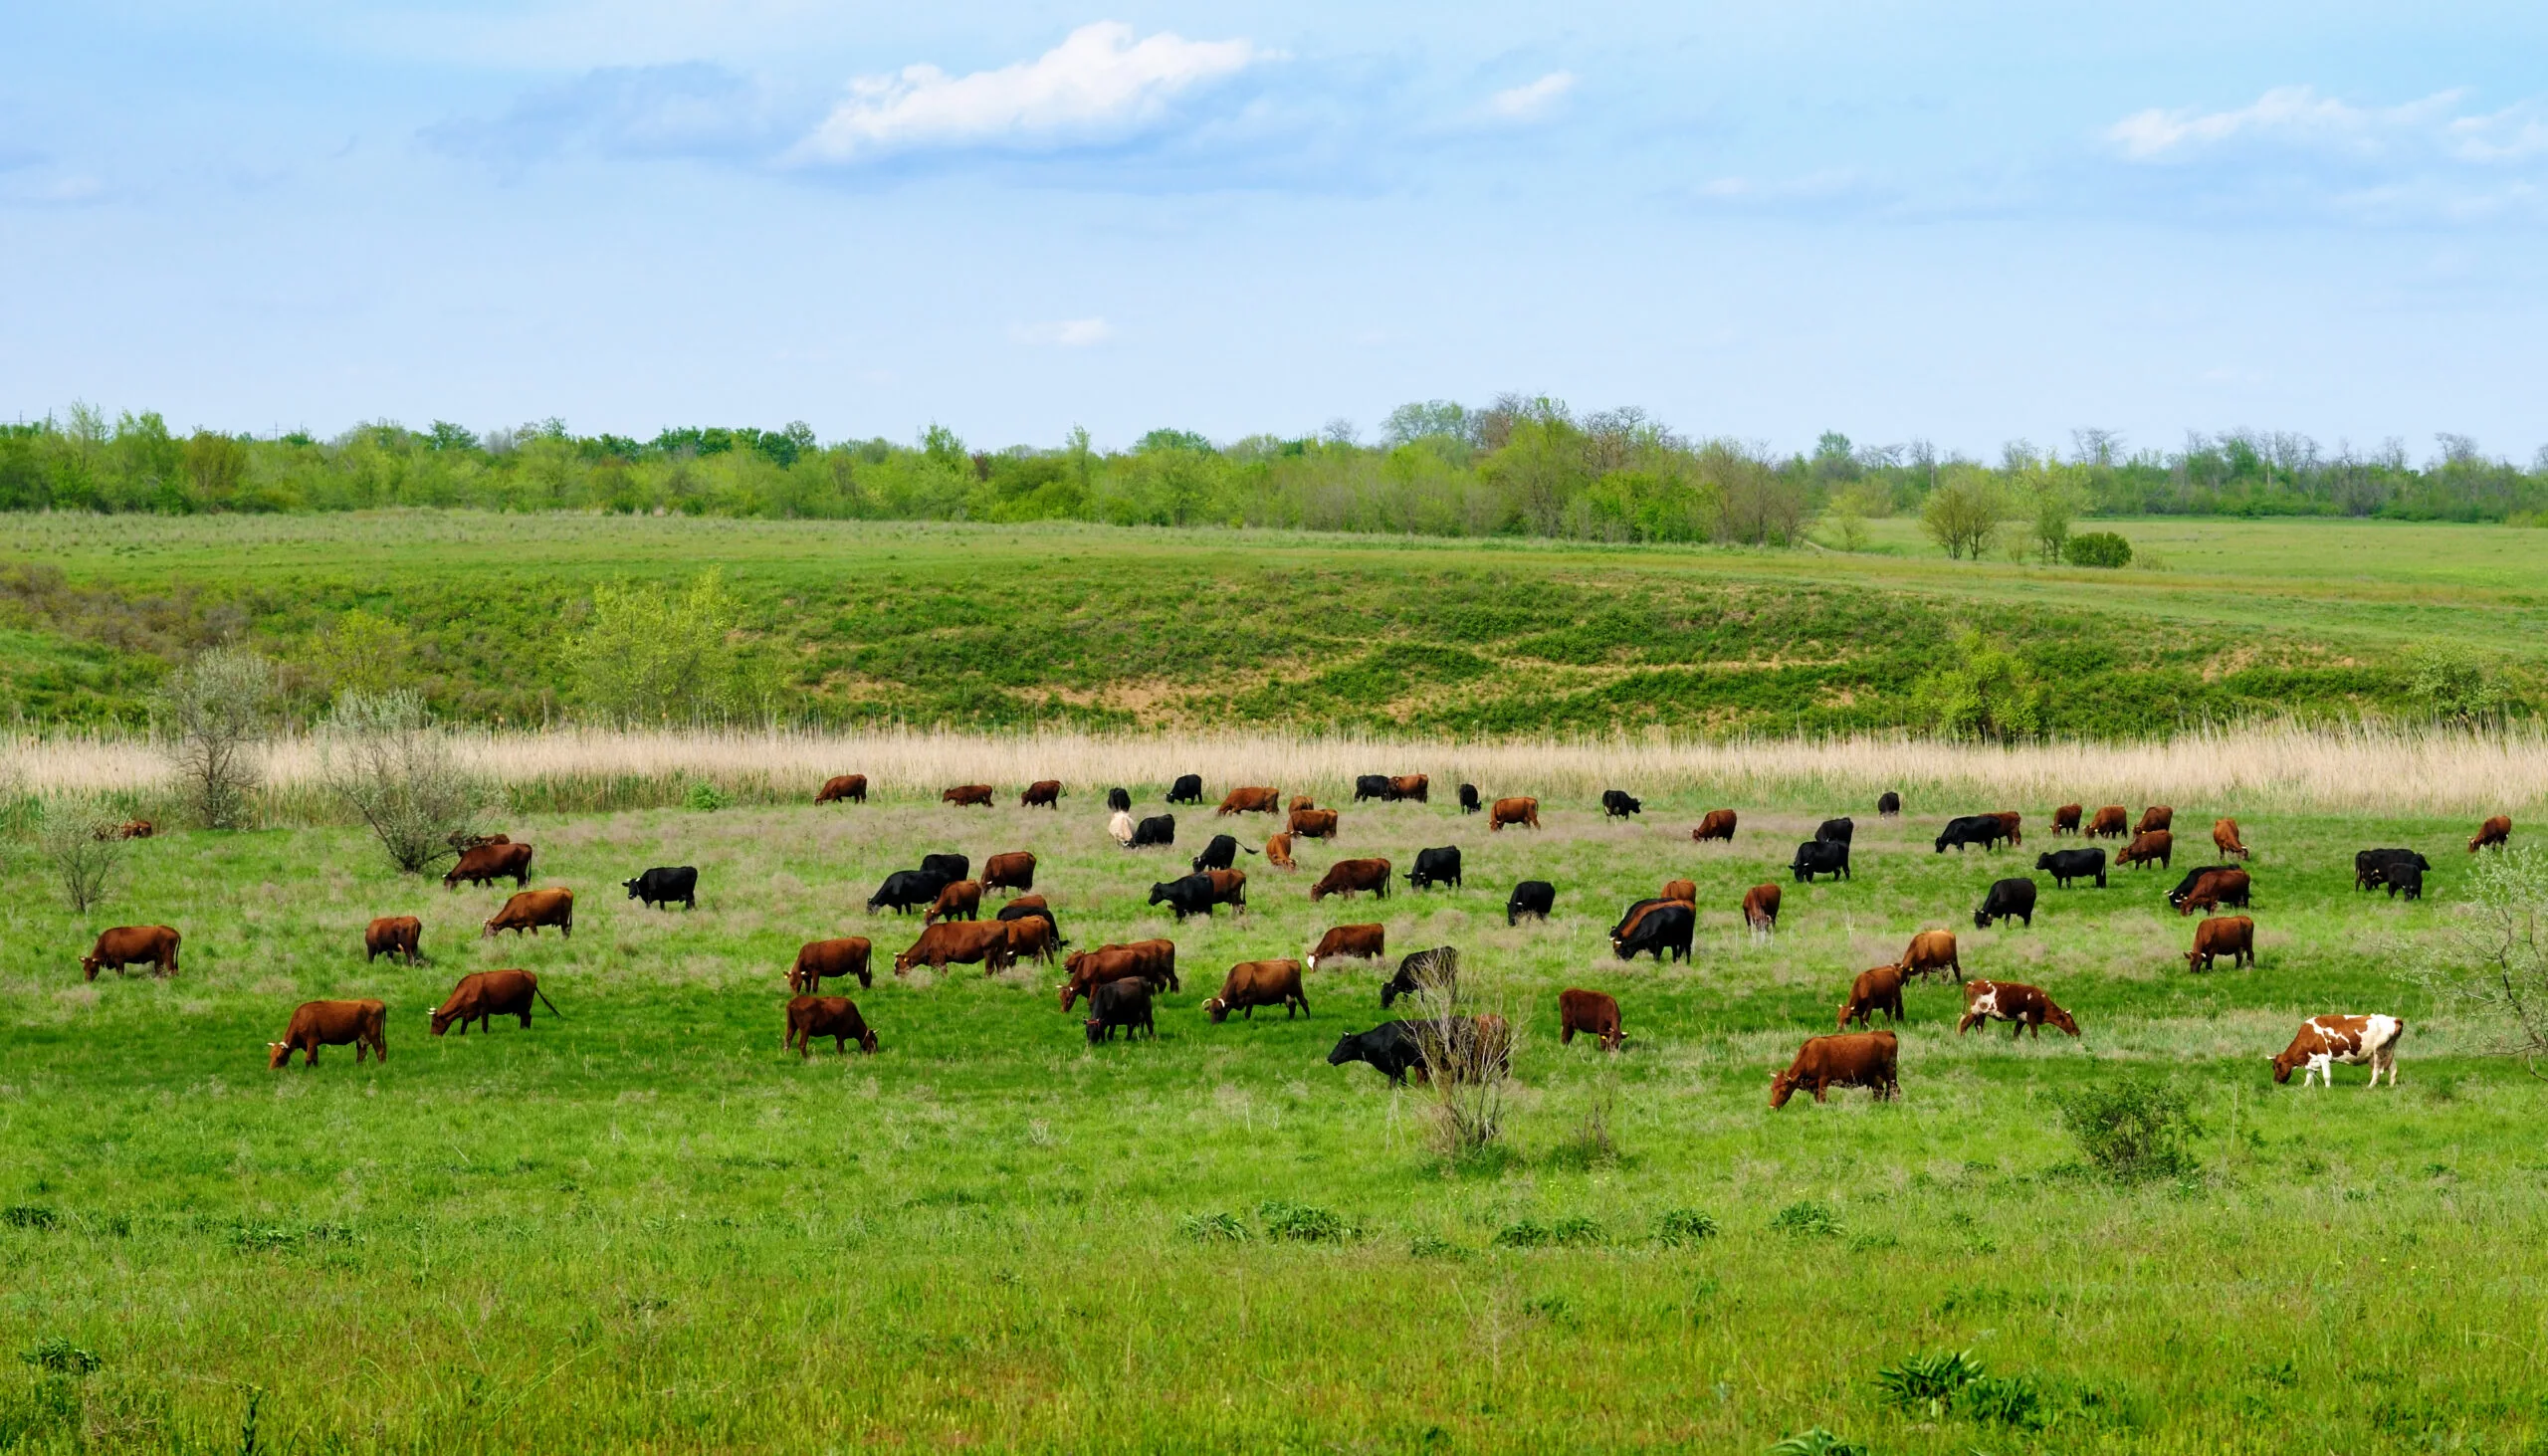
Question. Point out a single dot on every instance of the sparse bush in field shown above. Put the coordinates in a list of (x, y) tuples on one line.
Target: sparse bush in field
[(2097, 548), (2493, 953), (704, 796), (1817, 1442), (1807, 1219), (2454, 684), (1468, 1063), (1681, 1226), (2008, 1400), (81, 842), (383, 756), (1303, 1223), (1523, 1234), (2133, 1126), (213, 719), (646, 656), (1208, 1229), (1928, 1382), (1576, 1229)]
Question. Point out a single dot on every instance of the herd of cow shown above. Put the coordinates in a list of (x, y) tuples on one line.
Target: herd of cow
[(1120, 981)]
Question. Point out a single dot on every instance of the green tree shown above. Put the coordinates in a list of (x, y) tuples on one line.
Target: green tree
[(2454, 684), (360, 650), (1986, 692), (647, 655), (1964, 513)]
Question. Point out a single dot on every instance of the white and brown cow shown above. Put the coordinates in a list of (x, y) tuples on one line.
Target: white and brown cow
[(2324, 1041)]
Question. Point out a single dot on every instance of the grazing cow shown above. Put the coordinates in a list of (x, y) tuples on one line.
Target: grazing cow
[(1086, 970), (2006, 897), (1819, 856), (528, 910), (1014, 871), (1412, 788), (810, 1017), (1358, 942), (2065, 820), (1435, 972), (1192, 895), (131, 829), (1664, 930), (2225, 838), (2370, 867), (1531, 897), (1715, 824), (1032, 937), (1761, 911), (2234, 936), (1371, 786), (1046, 792), (1156, 830), (1888, 803), (1392, 1047), (1836, 831), (851, 787), (661, 885), (1278, 850), (1312, 824), (2013, 822), (961, 900), (2158, 845), (153, 946), (1299, 801), (907, 890), (2405, 877), (1118, 800), (484, 995), (2324, 1041), (1220, 854), (1638, 910), (2496, 833), (2026, 1008), (1125, 1003), (1188, 789), (1346, 875), (958, 942), (1590, 1012), (393, 935), (1255, 983), (1251, 801), (489, 863), (2212, 889), (1849, 1059), (1931, 951), (1619, 805), (317, 1025), (1468, 798), (821, 960), (1513, 811), (1986, 830), (1679, 890), (2155, 817), (2067, 865), (965, 795), (1878, 988), (1435, 867), (2108, 823), (948, 867), (1119, 824)]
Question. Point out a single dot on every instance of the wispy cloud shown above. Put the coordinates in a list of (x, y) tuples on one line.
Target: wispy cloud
[(1069, 333), (692, 110), (1533, 101)]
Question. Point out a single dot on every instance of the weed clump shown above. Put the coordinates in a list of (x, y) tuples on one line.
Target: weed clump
[(1212, 1228), (56, 1356), (1680, 1226), (1817, 1442), (1807, 1219), (1303, 1223), (2132, 1128)]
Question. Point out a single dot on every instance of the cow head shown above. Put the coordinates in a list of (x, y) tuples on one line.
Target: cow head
[(1160, 893), (88, 965), (1219, 1008), (901, 962), (2283, 1066), (867, 1041), (277, 1053), (486, 929), (631, 887), (2060, 1018), (441, 1019), (1782, 1086), (1095, 1028), (1346, 1051), (1982, 918)]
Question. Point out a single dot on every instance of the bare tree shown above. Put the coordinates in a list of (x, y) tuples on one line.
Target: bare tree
[(82, 841), (213, 721), (2493, 959), (383, 755)]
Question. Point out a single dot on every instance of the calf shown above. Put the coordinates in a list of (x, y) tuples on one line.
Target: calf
[(1836, 831), (1590, 1012), (1513, 811), (1531, 897), (1125, 1003), (1358, 942), (2109, 823), (1986, 830), (1371, 786), (2225, 837), (484, 995), (2026, 1008), (961, 900), (1013, 871), (843, 788), (1468, 798), (1416, 788), (821, 960), (1229, 887), (1392, 1047), (958, 942), (2403, 877), (1312, 824), (963, 796), (1155, 831), (1251, 801), (393, 935), (1619, 805), (317, 1025), (2007, 898), (2371, 866), (1878, 988), (2213, 889), (2067, 865), (1346, 875), (2013, 822), (1042, 793), (1819, 856), (1187, 789), (1192, 895), (1031, 937), (1255, 983), (661, 886), (1715, 824), (1299, 801), (1435, 972), (1435, 867), (1761, 911), (489, 863), (2234, 936), (1118, 800), (1220, 854), (1278, 850), (528, 910), (2155, 817), (1888, 803), (153, 946), (2065, 820), (1664, 930), (809, 1017), (907, 890), (2324, 1041), (1851, 1059), (2157, 845), (2496, 833), (1930, 952)]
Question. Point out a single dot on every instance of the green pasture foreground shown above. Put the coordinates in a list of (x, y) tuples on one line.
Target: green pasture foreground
[(642, 1226)]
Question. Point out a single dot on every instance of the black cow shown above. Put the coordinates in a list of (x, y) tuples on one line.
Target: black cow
[(1888, 803), (2006, 897), (1619, 805), (2400, 875), (1188, 789), (2370, 867), (1015, 912), (1666, 928), (1838, 831), (1157, 829), (1118, 801), (949, 867), (1436, 969), (661, 886), (1190, 895), (1373, 786), (907, 890), (2185, 887), (1468, 798), (1986, 830), (1392, 1046), (1125, 1003), (2067, 865), (1820, 857), (1220, 854), (1435, 867), (1531, 897)]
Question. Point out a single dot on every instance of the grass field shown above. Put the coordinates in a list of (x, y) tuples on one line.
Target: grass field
[(643, 1227)]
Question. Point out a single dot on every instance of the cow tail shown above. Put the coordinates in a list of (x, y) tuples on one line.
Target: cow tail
[(545, 1001)]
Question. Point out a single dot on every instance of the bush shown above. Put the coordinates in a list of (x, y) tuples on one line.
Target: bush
[(1303, 1223), (1576, 1229), (212, 716), (1984, 691), (2097, 548), (2133, 1128), (1807, 1219), (704, 796), (2450, 683), (1208, 1229), (1928, 1382), (1679, 1227), (59, 1356), (383, 755), (81, 842), (29, 1215), (1525, 1233), (1817, 1442)]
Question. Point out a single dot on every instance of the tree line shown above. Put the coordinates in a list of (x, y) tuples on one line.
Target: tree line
[(1515, 467)]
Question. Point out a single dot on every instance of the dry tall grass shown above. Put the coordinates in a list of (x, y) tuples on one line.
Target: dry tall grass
[(2368, 767)]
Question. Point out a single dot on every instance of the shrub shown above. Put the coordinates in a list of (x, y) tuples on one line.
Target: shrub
[(1207, 1228), (383, 755), (2493, 958), (1576, 1229), (1807, 1219), (2008, 1400), (2449, 682), (56, 1356), (29, 1215), (81, 842), (1928, 1382), (1302, 1223), (1432, 1246), (1983, 691), (2097, 548), (1679, 1227), (211, 716), (2132, 1128), (704, 796)]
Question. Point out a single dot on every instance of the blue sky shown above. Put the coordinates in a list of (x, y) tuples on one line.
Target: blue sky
[(1962, 222)]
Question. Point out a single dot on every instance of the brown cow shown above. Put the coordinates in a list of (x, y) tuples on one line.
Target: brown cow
[(485, 994), (489, 863), (1639, 911), (1255, 983), (2211, 888), (1346, 875), (1300, 802), (1590, 1012), (129, 829), (1878, 988), (820, 960), (964, 941), (2025, 1008), (317, 1025), (2324, 1041), (394, 936), (1229, 887), (2010, 821), (1032, 937), (1931, 951), (1278, 850), (1718, 824), (153, 946), (2065, 820), (1044, 791), (1152, 961), (2234, 936), (1679, 890), (2225, 837), (528, 910), (2494, 833), (2109, 823), (960, 900), (849, 786), (1361, 942), (837, 1017), (1012, 871), (1410, 786), (965, 795), (1513, 811), (1313, 823), (1251, 801), (2158, 845), (1851, 1059), (1760, 909), (2156, 816)]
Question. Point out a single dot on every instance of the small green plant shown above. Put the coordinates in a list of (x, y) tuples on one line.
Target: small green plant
[(56, 1356), (29, 1215), (2133, 1128), (1302, 1223), (704, 796), (1928, 1382), (2008, 1400), (1556, 1309), (1576, 1229), (1432, 1246), (1210, 1228), (1524, 1233), (1817, 1442), (2097, 548), (1681, 1226), (1807, 1219)]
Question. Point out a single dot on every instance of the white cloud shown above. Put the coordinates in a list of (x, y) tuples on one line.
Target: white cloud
[(1069, 333), (1099, 84), (1534, 101), (2297, 117)]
